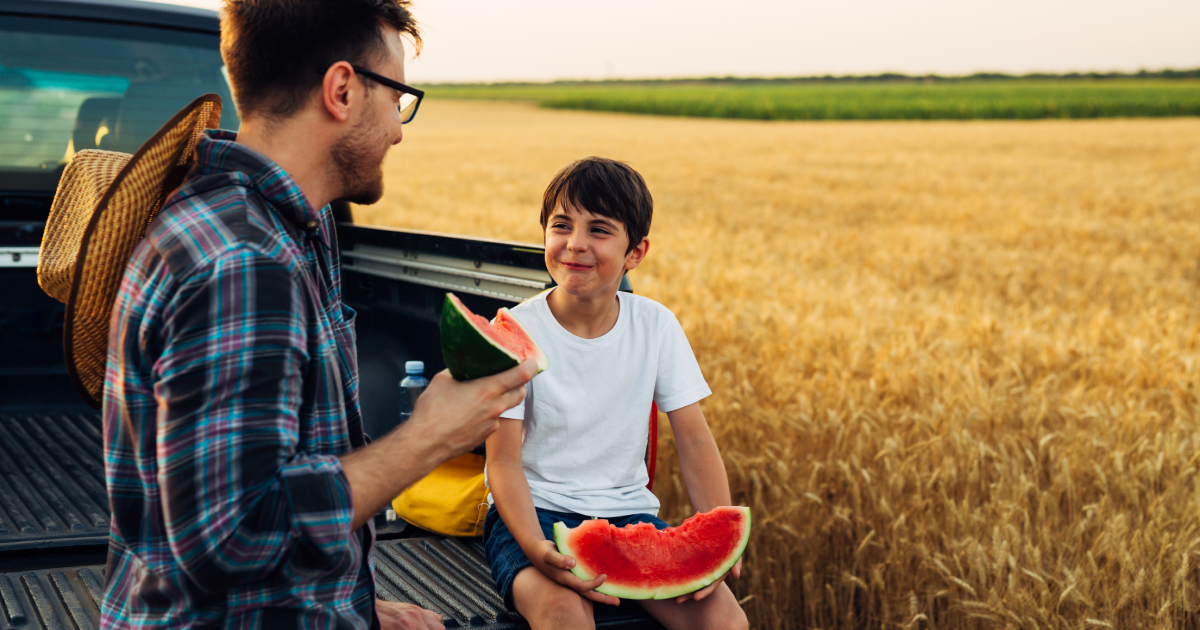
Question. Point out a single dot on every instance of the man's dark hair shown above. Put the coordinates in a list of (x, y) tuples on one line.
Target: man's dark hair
[(605, 187), (277, 51)]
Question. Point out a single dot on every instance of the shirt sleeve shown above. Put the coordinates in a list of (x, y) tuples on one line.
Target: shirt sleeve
[(679, 381), (239, 500)]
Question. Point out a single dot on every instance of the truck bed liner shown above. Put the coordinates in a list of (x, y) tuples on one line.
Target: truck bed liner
[(51, 481), (52, 495), (447, 576)]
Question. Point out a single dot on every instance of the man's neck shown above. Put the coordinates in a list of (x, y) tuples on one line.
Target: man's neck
[(300, 153), (586, 317)]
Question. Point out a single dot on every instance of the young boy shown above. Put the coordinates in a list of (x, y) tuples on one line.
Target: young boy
[(579, 451)]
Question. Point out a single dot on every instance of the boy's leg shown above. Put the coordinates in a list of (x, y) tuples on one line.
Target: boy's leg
[(719, 611), (548, 605)]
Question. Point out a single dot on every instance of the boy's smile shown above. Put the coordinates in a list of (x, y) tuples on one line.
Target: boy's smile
[(586, 253)]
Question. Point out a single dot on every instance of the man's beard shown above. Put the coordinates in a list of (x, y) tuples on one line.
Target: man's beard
[(359, 165)]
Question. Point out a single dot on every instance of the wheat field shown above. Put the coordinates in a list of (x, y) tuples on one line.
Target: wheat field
[(954, 364)]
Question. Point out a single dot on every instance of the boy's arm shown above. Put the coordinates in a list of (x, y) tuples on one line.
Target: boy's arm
[(703, 472), (510, 490)]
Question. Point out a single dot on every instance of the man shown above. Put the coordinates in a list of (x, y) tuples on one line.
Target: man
[(239, 476)]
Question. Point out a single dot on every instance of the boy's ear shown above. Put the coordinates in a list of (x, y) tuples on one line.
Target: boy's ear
[(635, 255)]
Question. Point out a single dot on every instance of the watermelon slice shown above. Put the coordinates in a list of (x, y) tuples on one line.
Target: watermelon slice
[(473, 347), (642, 562)]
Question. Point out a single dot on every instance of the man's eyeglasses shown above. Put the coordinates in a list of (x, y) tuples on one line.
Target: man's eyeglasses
[(410, 97)]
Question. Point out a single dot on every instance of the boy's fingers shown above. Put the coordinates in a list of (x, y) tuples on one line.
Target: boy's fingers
[(557, 560), (597, 596), (705, 592), (571, 581), (702, 593), (591, 584), (588, 588)]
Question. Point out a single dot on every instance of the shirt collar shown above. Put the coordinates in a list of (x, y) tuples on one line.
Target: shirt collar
[(219, 152)]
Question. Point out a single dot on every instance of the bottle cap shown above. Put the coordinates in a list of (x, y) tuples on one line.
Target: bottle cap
[(414, 367)]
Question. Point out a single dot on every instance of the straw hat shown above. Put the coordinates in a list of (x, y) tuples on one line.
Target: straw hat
[(104, 202)]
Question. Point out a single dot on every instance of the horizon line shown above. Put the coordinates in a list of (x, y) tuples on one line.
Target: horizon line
[(1164, 73)]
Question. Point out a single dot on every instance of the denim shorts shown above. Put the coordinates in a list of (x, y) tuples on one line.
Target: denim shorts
[(505, 557)]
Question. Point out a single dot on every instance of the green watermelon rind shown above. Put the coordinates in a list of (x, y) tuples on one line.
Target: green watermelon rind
[(562, 541), (469, 353)]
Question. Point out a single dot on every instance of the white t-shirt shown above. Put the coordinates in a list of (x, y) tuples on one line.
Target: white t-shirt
[(587, 416)]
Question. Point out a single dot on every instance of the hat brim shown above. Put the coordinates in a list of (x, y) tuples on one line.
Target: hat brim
[(116, 227)]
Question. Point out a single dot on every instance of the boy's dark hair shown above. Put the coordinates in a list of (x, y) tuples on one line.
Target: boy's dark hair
[(605, 187), (277, 51)]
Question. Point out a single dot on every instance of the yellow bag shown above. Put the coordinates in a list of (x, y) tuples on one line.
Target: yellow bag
[(451, 500)]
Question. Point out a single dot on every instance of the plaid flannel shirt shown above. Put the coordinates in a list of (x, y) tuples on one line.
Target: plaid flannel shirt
[(231, 389)]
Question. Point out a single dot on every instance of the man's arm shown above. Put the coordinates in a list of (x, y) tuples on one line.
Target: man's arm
[(703, 471), (450, 419), (237, 495)]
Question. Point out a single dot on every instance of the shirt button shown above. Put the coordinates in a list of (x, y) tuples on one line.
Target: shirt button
[(312, 225)]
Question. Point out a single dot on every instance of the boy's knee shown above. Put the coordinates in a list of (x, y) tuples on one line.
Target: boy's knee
[(567, 609), (546, 604)]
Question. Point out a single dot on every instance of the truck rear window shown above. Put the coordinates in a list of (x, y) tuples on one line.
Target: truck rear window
[(70, 85)]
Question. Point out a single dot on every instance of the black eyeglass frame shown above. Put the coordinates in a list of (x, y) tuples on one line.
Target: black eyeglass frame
[(395, 85)]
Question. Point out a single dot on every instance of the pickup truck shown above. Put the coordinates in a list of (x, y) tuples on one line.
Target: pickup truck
[(87, 74)]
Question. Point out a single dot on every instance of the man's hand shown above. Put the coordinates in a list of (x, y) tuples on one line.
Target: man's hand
[(455, 417), (557, 567), (708, 590), (397, 616), (450, 419)]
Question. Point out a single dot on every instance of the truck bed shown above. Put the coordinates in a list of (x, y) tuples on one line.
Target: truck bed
[(54, 532), (51, 482), (447, 576)]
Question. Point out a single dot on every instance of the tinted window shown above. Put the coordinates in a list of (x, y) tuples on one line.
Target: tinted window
[(69, 85)]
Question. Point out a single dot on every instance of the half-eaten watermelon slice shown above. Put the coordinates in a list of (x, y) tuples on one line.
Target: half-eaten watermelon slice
[(473, 347), (642, 562)]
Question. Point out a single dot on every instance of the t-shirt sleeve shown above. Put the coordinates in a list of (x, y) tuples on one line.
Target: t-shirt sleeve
[(679, 381)]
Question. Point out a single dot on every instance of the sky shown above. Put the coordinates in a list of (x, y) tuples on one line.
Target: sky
[(543, 40)]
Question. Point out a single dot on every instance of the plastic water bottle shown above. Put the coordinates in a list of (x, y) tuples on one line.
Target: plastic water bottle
[(411, 387)]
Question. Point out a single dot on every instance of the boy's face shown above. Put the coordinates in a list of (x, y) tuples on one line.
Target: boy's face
[(585, 252)]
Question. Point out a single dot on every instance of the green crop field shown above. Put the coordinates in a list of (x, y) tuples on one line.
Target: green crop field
[(908, 100)]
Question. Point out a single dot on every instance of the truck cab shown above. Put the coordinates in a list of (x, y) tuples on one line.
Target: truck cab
[(106, 74)]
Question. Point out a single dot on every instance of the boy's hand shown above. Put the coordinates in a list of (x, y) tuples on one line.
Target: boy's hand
[(708, 590), (557, 567)]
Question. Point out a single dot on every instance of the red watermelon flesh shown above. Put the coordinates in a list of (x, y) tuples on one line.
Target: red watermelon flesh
[(643, 562), (507, 332)]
